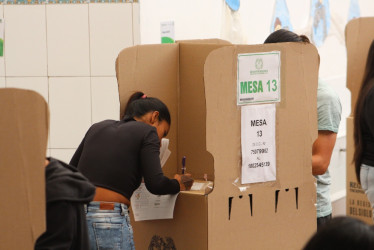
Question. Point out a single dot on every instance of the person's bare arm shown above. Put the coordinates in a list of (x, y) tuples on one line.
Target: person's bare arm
[(322, 151)]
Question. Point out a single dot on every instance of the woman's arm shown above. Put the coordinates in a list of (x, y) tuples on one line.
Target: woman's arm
[(150, 165), (322, 151)]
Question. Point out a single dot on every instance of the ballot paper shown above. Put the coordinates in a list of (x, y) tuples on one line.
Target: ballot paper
[(147, 206), (164, 151)]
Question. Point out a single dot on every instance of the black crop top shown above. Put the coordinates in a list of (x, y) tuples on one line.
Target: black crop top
[(117, 154)]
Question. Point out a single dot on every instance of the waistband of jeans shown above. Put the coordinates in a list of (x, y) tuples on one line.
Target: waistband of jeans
[(106, 206)]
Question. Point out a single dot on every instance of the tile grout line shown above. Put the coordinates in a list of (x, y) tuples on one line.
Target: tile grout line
[(89, 58), (48, 77), (132, 24), (4, 46)]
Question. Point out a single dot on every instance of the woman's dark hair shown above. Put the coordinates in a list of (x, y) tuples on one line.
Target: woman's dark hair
[(139, 104), (283, 36), (367, 84), (343, 233)]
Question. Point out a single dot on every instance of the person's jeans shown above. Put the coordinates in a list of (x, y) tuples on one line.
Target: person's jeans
[(321, 221), (109, 228), (367, 182)]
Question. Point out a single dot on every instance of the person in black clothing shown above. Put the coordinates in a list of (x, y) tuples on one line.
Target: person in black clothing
[(364, 130), (115, 156), (67, 191)]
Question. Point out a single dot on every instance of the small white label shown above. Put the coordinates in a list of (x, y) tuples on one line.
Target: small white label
[(167, 32)]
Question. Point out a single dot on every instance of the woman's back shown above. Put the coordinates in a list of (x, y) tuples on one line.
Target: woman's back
[(116, 154)]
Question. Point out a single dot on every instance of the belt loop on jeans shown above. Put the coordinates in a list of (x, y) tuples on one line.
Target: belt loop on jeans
[(122, 209), (85, 208)]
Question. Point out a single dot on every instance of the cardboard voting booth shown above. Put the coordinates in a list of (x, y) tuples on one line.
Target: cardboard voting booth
[(23, 145), (198, 82), (359, 33)]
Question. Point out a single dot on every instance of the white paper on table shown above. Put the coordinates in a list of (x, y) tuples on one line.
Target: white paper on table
[(198, 186), (147, 206), (258, 143)]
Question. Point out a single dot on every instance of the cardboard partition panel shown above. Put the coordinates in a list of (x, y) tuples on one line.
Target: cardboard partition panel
[(282, 210), (359, 33), (200, 91), (155, 72), (358, 205), (23, 145), (160, 71)]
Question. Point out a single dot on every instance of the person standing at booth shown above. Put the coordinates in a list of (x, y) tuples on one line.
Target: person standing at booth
[(114, 156), (364, 130), (329, 114)]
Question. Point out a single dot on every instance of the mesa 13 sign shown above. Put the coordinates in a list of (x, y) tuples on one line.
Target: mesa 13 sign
[(258, 79)]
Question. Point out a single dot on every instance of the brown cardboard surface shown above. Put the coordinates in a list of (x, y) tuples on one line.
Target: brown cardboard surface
[(192, 111), (359, 33), (296, 131), (358, 205), (23, 144), (188, 229), (155, 72), (200, 90)]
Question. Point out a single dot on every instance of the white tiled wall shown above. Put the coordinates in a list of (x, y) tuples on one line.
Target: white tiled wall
[(25, 40), (105, 98), (2, 82), (38, 84), (62, 154), (70, 107), (110, 32), (68, 40), (136, 23), (67, 52)]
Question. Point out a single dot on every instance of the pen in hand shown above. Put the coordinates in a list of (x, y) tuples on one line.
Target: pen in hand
[(183, 164)]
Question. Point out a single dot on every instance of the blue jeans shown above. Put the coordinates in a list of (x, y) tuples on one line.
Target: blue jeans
[(367, 182), (109, 229)]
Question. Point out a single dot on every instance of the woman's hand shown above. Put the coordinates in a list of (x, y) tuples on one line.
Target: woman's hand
[(185, 181)]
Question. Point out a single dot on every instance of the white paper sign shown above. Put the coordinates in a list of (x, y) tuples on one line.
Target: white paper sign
[(167, 32), (147, 206), (258, 143), (258, 79)]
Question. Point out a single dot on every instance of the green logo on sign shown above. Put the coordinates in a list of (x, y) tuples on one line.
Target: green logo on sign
[(259, 63)]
